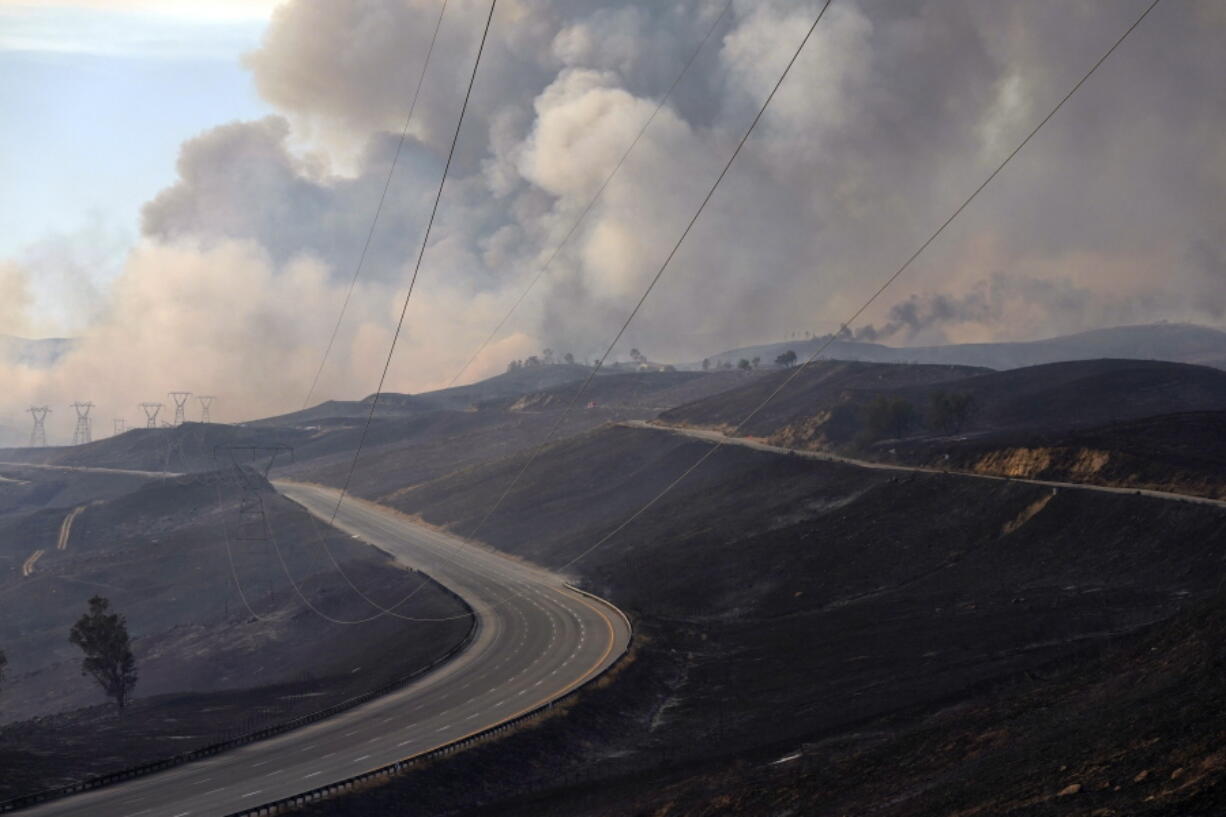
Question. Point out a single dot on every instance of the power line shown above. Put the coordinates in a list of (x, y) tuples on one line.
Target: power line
[(374, 400), (596, 197), (876, 294), (544, 268), (382, 611), (889, 281), (391, 170), (391, 351), (659, 273), (230, 554)]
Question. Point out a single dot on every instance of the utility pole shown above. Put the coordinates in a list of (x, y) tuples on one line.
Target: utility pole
[(38, 437), (206, 401), (121, 426), (81, 434), (151, 414), (180, 398)]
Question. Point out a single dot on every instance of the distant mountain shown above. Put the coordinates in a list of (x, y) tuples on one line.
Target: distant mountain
[(1174, 342), (41, 353)]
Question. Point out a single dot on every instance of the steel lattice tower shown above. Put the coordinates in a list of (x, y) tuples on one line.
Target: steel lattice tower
[(38, 437), (206, 401), (121, 426), (81, 434), (151, 414), (180, 398)]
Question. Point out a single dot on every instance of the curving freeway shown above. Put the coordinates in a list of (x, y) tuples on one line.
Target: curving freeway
[(537, 640)]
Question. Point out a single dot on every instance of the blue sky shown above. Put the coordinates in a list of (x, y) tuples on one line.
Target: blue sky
[(95, 100)]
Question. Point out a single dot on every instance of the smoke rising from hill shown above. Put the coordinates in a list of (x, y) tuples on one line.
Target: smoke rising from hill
[(893, 114)]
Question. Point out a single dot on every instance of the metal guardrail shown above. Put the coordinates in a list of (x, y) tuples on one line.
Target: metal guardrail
[(390, 770), (100, 781)]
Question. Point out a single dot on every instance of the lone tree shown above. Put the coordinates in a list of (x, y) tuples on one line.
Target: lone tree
[(103, 637), (786, 359), (743, 364)]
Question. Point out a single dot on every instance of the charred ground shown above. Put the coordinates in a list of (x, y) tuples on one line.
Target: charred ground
[(913, 643)]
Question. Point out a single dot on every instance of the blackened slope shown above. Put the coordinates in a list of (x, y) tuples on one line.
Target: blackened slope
[(826, 407), (1088, 393), (783, 602), (1137, 729), (1178, 343), (1178, 453), (637, 390), (821, 388), (163, 555), (189, 447), (914, 587)]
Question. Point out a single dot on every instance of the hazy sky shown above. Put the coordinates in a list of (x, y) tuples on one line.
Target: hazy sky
[(203, 175), (95, 100)]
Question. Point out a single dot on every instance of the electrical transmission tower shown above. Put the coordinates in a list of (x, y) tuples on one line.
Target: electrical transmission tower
[(81, 434), (121, 425), (180, 398), (38, 437), (206, 400), (252, 523), (151, 414)]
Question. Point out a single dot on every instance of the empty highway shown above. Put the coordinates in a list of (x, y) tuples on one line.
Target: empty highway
[(537, 640)]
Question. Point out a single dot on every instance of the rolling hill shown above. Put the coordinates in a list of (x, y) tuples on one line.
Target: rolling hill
[(1179, 343)]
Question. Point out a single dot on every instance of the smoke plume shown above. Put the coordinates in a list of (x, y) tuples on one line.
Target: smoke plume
[(892, 115)]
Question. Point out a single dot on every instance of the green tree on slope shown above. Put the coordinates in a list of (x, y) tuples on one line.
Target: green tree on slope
[(103, 637)]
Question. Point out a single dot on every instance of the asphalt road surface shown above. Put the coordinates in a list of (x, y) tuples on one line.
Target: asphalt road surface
[(537, 640)]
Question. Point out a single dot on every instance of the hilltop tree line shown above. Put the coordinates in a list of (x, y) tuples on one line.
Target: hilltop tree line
[(548, 357), (102, 636), (785, 360)]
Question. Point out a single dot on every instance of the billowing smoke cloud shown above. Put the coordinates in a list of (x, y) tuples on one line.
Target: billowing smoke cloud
[(892, 115)]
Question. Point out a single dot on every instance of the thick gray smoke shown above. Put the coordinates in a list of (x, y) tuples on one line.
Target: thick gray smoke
[(893, 114)]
